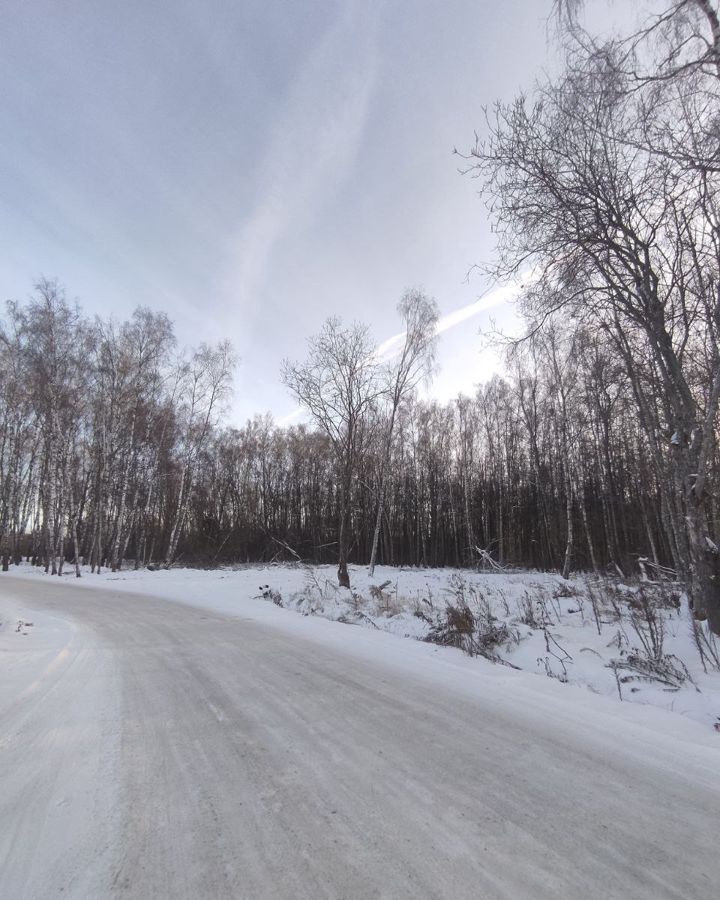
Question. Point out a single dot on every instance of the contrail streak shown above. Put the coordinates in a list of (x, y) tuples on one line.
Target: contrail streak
[(391, 345), (493, 298)]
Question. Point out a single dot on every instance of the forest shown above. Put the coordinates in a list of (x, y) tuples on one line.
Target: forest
[(597, 449)]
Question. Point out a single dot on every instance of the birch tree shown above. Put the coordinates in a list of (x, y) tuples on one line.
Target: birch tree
[(338, 385), (206, 378), (414, 365)]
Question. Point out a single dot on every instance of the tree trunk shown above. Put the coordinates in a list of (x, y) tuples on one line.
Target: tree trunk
[(378, 523), (179, 518), (344, 531), (704, 566), (569, 526)]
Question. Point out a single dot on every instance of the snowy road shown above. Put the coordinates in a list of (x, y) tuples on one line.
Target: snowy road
[(156, 750)]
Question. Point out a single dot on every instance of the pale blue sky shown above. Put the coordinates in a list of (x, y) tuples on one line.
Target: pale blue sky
[(253, 167)]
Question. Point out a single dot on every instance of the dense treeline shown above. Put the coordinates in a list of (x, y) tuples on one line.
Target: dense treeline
[(112, 449), (490, 473), (598, 449), (102, 429)]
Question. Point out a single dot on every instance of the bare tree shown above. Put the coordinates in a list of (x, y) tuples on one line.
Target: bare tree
[(206, 378), (414, 364), (625, 238), (143, 347), (54, 349), (338, 385)]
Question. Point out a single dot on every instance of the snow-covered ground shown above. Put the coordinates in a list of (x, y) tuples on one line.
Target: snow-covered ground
[(226, 746), (630, 643), (59, 740)]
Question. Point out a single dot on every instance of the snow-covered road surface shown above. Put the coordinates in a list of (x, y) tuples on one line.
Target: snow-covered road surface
[(159, 750)]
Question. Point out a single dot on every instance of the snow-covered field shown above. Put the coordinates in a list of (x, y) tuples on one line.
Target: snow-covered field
[(633, 643)]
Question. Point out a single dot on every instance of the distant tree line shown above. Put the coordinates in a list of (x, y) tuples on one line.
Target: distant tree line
[(103, 430), (112, 449), (598, 450)]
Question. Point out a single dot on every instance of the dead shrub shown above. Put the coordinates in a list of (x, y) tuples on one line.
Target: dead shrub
[(475, 631), (642, 655), (555, 652), (565, 590), (668, 671), (533, 609)]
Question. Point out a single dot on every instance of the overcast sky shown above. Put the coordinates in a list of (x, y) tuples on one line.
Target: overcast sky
[(254, 167)]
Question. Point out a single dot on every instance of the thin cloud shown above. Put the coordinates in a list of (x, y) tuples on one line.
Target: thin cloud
[(313, 146), (392, 345)]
